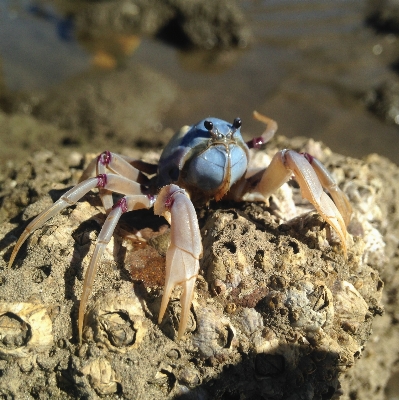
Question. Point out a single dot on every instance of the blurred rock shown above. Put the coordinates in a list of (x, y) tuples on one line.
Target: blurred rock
[(384, 101), (201, 24), (384, 15), (97, 110)]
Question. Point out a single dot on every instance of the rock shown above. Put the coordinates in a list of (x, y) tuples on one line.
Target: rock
[(278, 311), (97, 109), (384, 101), (114, 106), (384, 15)]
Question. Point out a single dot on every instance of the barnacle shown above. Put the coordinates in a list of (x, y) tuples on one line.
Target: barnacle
[(117, 321), (214, 333), (310, 306), (189, 376), (101, 376), (250, 320), (349, 304), (170, 323), (25, 328)]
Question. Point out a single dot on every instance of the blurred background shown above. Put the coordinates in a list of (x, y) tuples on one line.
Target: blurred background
[(95, 75)]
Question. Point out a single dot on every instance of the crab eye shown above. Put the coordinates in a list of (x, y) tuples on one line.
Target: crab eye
[(237, 123), (208, 125)]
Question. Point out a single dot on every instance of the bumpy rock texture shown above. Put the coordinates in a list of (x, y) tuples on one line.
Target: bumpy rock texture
[(278, 312)]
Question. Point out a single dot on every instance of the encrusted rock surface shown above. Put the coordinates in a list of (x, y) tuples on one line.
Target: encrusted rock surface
[(278, 312)]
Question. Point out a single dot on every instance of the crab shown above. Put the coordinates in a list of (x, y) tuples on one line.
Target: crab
[(208, 160)]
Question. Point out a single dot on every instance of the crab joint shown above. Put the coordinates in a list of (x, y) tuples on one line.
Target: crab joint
[(105, 157), (170, 199), (122, 204), (101, 180)]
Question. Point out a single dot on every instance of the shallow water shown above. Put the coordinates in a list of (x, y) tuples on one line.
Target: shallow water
[(309, 66)]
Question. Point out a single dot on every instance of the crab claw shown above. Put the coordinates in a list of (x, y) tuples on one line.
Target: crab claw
[(287, 162), (185, 250)]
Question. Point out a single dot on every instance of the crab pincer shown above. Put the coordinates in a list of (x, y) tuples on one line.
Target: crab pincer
[(185, 250)]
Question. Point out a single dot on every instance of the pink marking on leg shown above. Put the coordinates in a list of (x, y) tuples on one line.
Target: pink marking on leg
[(101, 180), (105, 158), (170, 200), (122, 203), (255, 143), (308, 157)]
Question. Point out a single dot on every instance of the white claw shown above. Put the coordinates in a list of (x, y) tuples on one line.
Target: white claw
[(185, 250)]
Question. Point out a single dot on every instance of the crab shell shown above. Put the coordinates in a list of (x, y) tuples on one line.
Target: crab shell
[(190, 161)]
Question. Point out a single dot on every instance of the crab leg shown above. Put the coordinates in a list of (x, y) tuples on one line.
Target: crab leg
[(141, 165), (110, 162), (185, 250), (283, 165), (114, 163), (110, 182), (115, 183), (328, 183), (125, 204), (69, 198), (267, 135)]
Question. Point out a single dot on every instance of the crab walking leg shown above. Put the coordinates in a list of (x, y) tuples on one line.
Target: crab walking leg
[(111, 182), (185, 250), (283, 165), (125, 204), (111, 162), (69, 198), (108, 162), (328, 183)]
